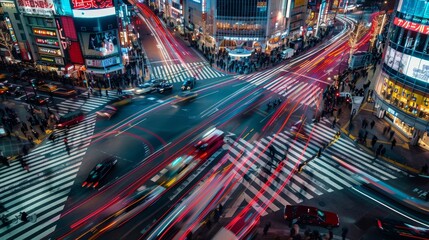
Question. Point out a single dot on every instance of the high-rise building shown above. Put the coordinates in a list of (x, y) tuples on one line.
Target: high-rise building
[(402, 87), (247, 24)]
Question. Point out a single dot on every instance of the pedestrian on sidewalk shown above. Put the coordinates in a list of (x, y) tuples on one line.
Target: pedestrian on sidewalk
[(388, 129), (334, 122), (424, 169), (392, 133), (339, 112), (377, 152), (344, 232), (267, 227), (373, 141), (393, 143), (384, 130), (364, 123), (372, 124), (107, 93)]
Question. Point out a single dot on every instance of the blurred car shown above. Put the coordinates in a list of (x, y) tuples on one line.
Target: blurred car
[(107, 112), (47, 88), (70, 119), (37, 82), (62, 92), (15, 91), (36, 100), (3, 89), (157, 82), (99, 172), (310, 215), (176, 170), (186, 96), (144, 88), (189, 83), (402, 230), (123, 100), (210, 143), (165, 87)]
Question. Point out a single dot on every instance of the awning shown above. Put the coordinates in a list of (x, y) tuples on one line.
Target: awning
[(103, 71)]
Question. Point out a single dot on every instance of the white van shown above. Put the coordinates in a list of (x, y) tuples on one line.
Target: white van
[(287, 53)]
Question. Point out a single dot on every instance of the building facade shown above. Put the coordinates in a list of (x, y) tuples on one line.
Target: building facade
[(245, 24), (402, 87)]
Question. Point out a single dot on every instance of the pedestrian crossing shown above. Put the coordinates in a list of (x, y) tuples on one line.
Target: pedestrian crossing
[(85, 104), (177, 72), (42, 192), (341, 166), (288, 87)]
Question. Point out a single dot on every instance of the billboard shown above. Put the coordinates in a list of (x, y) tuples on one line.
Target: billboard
[(92, 4), (100, 43), (408, 65), (38, 7)]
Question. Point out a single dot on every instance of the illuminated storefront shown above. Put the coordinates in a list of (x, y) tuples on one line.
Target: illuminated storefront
[(402, 88)]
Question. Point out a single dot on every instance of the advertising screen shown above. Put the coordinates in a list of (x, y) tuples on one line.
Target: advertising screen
[(406, 64), (92, 4), (39, 7), (101, 43)]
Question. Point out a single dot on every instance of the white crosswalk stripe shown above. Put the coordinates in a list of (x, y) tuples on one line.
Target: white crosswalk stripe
[(86, 105), (177, 72), (291, 88), (43, 191), (341, 166)]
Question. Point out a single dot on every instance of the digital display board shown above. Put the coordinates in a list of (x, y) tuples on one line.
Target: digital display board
[(38, 7), (92, 4), (406, 64)]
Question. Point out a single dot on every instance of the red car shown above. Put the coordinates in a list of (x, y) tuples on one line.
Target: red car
[(209, 144), (70, 119), (311, 216)]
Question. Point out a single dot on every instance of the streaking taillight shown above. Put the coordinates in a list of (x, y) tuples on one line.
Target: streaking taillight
[(84, 184), (95, 185), (379, 224)]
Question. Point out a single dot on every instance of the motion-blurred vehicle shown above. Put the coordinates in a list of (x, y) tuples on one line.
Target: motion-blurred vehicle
[(3, 89), (287, 53), (70, 119), (186, 96), (123, 100), (189, 83), (36, 82), (156, 82), (99, 172), (62, 92), (15, 91), (144, 88), (47, 88), (310, 215), (165, 87), (209, 144), (107, 112), (176, 170), (298, 130), (402, 230), (36, 100)]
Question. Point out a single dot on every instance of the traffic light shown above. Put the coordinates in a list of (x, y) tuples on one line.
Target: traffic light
[(319, 153)]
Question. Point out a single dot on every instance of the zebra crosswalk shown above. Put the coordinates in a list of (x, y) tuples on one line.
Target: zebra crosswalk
[(289, 87), (177, 72), (340, 166), (42, 192), (86, 105)]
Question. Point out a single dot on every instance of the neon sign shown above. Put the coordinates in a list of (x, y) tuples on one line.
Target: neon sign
[(416, 27), (92, 4)]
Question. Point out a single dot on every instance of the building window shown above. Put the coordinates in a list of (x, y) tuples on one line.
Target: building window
[(20, 27)]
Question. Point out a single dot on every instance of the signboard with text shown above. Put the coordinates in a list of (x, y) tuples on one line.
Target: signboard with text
[(37, 7), (92, 4)]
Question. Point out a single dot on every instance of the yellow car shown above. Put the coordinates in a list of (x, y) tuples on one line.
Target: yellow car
[(186, 96), (47, 88), (3, 89)]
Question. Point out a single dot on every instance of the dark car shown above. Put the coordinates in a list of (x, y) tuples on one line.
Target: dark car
[(402, 230), (165, 87), (189, 83), (36, 82), (99, 172), (156, 82), (310, 215), (62, 92), (36, 100), (15, 91)]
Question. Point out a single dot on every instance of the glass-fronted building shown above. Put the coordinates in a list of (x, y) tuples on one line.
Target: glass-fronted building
[(402, 88)]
